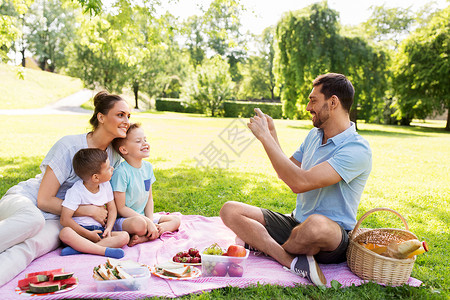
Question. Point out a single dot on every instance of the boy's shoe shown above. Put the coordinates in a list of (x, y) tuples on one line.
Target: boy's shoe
[(307, 267)]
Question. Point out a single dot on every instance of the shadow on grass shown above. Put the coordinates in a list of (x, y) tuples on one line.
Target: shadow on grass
[(390, 131), (204, 191), (188, 190), (17, 169), (402, 131), (304, 127)]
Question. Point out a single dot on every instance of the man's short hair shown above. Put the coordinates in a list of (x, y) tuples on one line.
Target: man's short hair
[(117, 142), (336, 84), (87, 162)]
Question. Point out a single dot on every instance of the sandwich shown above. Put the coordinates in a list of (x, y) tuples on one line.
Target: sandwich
[(179, 272), (113, 270), (121, 273), (173, 270)]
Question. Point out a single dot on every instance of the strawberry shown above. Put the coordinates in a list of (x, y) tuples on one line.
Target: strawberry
[(193, 252)]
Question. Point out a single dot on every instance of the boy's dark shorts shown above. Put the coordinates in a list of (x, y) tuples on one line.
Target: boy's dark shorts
[(95, 227), (91, 228), (280, 226)]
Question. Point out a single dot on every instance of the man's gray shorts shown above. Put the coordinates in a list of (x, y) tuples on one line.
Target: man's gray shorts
[(280, 227)]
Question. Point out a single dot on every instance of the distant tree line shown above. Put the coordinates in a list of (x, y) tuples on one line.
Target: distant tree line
[(397, 59)]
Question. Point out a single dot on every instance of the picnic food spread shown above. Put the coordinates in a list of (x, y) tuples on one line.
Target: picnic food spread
[(47, 281), (403, 250)]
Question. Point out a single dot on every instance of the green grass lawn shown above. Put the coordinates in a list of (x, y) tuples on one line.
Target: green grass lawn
[(42, 88), (411, 174)]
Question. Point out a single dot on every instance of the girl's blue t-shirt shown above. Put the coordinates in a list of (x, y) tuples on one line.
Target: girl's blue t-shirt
[(135, 183)]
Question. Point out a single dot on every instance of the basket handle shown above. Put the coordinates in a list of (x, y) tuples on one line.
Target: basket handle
[(379, 209)]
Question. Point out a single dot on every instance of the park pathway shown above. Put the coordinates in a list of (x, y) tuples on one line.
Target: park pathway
[(68, 105), (71, 105)]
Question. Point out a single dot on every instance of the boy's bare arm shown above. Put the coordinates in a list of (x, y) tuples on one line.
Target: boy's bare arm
[(112, 214), (149, 206), (122, 209)]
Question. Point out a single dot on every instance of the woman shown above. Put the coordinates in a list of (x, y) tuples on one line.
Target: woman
[(27, 231)]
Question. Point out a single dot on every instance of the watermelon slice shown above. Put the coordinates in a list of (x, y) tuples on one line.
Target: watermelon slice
[(44, 287), (69, 281), (45, 272), (23, 284), (60, 276)]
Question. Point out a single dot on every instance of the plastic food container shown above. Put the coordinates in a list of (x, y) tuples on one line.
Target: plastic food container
[(139, 281), (218, 265)]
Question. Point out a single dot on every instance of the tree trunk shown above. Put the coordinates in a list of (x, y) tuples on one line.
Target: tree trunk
[(136, 91), (354, 116), (447, 127), (23, 57), (42, 63)]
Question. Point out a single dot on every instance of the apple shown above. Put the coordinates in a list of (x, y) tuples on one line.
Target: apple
[(236, 251), (235, 270), (220, 269)]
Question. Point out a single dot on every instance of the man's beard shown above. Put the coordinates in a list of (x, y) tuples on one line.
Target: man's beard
[(321, 117)]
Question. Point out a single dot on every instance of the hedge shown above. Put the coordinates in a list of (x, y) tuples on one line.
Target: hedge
[(233, 109), (169, 105), (245, 109)]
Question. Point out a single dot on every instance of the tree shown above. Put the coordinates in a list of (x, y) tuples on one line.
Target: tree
[(50, 27), (11, 22), (388, 25), (100, 54), (309, 44), (421, 74), (258, 78), (209, 85), (195, 39), (223, 25)]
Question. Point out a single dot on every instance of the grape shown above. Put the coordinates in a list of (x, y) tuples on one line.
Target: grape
[(214, 249)]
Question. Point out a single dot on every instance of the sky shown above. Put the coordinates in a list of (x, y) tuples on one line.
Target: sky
[(261, 14)]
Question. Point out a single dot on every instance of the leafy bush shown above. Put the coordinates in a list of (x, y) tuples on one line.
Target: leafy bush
[(241, 109), (209, 86), (176, 105)]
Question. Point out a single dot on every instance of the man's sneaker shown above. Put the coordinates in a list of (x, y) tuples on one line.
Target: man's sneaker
[(256, 252), (307, 267)]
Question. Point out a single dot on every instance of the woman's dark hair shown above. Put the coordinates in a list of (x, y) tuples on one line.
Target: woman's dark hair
[(336, 84), (103, 102)]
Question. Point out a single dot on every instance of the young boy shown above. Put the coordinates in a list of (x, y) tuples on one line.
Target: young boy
[(84, 234), (132, 185)]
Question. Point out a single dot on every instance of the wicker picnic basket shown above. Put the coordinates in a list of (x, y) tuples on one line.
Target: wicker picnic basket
[(369, 265)]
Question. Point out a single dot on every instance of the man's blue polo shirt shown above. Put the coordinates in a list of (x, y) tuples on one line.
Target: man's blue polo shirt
[(350, 155)]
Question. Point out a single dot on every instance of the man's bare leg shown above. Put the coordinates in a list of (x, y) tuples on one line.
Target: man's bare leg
[(247, 222), (317, 233)]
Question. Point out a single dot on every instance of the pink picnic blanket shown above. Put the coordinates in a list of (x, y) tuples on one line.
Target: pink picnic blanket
[(195, 231)]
